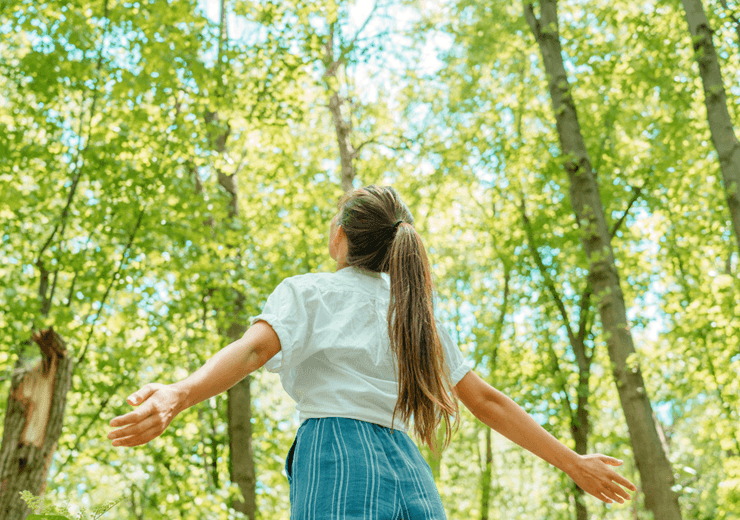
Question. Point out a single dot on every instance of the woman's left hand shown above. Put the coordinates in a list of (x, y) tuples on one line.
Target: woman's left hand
[(159, 404), (594, 475)]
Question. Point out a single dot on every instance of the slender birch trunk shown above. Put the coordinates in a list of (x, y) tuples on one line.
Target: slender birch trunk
[(652, 463), (724, 138), (342, 124)]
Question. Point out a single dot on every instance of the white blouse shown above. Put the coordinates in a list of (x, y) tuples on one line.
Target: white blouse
[(335, 358)]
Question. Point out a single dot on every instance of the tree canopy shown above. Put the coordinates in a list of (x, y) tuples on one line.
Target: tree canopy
[(158, 158)]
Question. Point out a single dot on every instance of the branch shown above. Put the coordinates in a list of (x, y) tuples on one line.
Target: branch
[(47, 307), (114, 278), (532, 20), (82, 151), (541, 266), (43, 283), (77, 272), (330, 64), (481, 206), (636, 194), (362, 145), (71, 289), (583, 313), (347, 49), (240, 164), (376, 140), (559, 374), (75, 180), (488, 216), (499, 330), (583, 327), (79, 163)]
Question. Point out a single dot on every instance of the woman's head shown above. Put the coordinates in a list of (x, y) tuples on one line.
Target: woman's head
[(380, 237), (370, 219)]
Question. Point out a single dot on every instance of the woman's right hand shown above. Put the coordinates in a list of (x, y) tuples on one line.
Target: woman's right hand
[(158, 405), (594, 474)]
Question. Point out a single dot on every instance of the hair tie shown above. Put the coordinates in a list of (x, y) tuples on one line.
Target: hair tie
[(398, 223)]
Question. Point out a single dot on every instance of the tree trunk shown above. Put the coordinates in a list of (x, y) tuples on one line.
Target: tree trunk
[(485, 478), (720, 124), (33, 423), (580, 429), (655, 469), (239, 403), (487, 473), (342, 125), (346, 151), (240, 446), (241, 461)]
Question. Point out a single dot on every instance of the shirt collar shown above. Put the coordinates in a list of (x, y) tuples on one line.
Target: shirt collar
[(364, 272)]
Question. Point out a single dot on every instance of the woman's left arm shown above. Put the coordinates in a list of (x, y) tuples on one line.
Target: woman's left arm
[(159, 404), (592, 473)]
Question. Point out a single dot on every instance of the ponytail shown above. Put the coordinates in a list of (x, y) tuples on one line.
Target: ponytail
[(381, 238)]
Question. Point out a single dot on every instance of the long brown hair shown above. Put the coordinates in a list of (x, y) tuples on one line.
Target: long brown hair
[(381, 238)]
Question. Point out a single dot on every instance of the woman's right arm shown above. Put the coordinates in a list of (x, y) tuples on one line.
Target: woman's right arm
[(158, 404), (592, 473)]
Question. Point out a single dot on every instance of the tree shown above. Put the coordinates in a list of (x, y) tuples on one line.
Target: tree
[(715, 99), (655, 469), (33, 422)]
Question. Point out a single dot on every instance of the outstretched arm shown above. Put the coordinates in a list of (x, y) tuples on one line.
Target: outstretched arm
[(159, 404), (592, 473)]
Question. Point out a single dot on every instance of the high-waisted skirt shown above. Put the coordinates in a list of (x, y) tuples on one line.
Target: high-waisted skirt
[(341, 468)]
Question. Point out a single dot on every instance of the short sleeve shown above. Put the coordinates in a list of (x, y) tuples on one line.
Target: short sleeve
[(457, 364), (288, 315)]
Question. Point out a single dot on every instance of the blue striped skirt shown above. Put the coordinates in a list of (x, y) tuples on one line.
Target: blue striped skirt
[(341, 468)]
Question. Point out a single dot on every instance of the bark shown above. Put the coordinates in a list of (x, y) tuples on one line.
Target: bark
[(240, 445), (724, 138), (652, 463), (33, 423)]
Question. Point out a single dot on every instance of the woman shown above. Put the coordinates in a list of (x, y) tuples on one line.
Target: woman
[(354, 353)]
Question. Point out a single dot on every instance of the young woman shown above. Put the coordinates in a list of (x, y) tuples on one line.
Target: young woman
[(354, 352)]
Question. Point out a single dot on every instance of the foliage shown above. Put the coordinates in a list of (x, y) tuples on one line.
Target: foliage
[(66, 509)]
